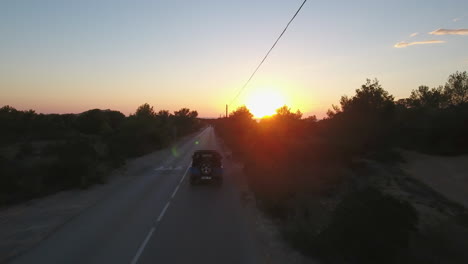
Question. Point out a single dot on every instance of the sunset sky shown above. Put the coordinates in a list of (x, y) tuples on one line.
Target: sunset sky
[(70, 56)]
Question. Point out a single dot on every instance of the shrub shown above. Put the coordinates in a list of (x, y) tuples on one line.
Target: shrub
[(366, 227)]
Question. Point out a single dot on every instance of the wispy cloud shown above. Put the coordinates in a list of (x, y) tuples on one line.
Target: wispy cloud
[(462, 31), (414, 34), (406, 44), (456, 19)]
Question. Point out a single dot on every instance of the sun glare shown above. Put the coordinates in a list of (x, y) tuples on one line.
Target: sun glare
[(265, 103)]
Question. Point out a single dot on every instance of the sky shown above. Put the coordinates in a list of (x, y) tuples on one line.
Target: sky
[(71, 56)]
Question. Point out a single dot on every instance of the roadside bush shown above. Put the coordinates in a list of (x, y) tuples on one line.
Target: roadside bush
[(75, 166), (366, 227), (286, 155)]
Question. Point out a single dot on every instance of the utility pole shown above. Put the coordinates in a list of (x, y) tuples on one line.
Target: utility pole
[(226, 110)]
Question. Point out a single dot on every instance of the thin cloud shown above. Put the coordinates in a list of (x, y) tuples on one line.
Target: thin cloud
[(414, 34), (462, 31), (406, 44), (456, 19)]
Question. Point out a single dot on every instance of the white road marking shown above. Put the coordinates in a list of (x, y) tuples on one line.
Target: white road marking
[(142, 247), (185, 173), (163, 212), (170, 168), (161, 215), (175, 191)]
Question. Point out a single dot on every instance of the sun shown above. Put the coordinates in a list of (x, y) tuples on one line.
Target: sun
[(264, 103)]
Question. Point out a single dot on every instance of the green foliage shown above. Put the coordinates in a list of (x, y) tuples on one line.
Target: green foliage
[(456, 88), (284, 113), (145, 111), (98, 121), (454, 93), (286, 156), (366, 227), (435, 120), (56, 152), (185, 120), (370, 98), (236, 128), (241, 114), (75, 167), (424, 97)]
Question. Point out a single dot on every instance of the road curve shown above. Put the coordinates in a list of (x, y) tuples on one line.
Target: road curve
[(158, 218)]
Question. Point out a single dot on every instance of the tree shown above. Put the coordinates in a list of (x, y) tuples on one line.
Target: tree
[(7, 110), (164, 113), (185, 120), (427, 98), (241, 119), (145, 111), (164, 116), (456, 88), (334, 111), (285, 113), (185, 113), (371, 98), (311, 119), (241, 113)]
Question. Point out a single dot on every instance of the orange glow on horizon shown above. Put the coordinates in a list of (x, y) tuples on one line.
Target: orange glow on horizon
[(264, 103)]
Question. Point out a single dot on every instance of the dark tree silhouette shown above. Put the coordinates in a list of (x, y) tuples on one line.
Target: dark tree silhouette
[(284, 113), (241, 113), (427, 98), (370, 97), (51, 152), (145, 111), (456, 88), (291, 163)]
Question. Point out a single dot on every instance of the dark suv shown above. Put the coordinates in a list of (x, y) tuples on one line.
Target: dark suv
[(206, 165)]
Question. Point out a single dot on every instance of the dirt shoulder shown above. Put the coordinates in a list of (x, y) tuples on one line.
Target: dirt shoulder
[(446, 175), (23, 226)]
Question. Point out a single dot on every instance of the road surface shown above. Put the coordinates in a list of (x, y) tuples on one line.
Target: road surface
[(158, 218)]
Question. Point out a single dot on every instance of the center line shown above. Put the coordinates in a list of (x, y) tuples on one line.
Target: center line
[(163, 212), (185, 173), (161, 215), (142, 247), (175, 191)]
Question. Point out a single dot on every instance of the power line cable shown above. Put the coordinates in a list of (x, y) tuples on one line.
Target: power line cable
[(268, 53)]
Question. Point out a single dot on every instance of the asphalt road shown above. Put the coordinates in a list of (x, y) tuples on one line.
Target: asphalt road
[(158, 218)]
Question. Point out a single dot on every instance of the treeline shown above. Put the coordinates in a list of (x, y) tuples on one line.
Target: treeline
[(295, 165), (45, 153), (432, 120)]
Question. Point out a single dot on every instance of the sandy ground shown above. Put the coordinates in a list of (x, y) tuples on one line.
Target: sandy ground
[(446, 175)]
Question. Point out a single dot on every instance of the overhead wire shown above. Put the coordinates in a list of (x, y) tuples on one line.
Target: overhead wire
[(268, 53)]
